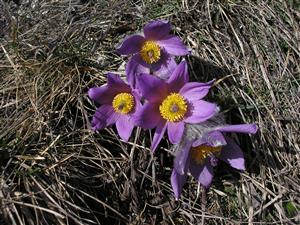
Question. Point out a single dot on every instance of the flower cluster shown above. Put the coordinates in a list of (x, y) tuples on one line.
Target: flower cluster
[(158, 95)]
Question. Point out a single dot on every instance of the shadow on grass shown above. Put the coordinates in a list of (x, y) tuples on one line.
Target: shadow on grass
[(203, 71)]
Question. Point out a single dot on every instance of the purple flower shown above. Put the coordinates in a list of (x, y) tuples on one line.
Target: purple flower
[(200, 150), (152, 52), (118, 105), (170, 104)]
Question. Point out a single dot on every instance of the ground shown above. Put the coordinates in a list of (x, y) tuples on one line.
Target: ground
[(55, 170)]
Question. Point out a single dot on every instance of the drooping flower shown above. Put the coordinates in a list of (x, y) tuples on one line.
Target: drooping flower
[(203, 144), (172, 103), (152, 51), (118, 102)]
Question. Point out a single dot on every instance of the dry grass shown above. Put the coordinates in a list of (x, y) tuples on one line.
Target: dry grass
[(54, 170)]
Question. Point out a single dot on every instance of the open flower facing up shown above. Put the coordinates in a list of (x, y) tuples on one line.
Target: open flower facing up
[(202, 146), (152, 52), (118, 105), (170, 104)]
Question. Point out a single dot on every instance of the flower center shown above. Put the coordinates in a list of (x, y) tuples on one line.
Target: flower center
[(173, 108), (199, 153), (150, 52), (123, 103)]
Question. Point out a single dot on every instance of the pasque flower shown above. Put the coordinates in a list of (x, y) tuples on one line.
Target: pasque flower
[(203, 144), (118, 102), (172, 103), (152, 51)]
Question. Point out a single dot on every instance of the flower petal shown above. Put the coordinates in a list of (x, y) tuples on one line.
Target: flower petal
[(214, 138), (147, 116), (114, 81), (200, 111), (157, 29), (195, 90), (158, 135), (175, 131), (240, 128), (131, 45), (134, 67), (203, 173), (177, 182), (102, 95), (106, 93), (173, 45), (182, 159), (179, 77), (233, 155), (164, 67), (137, 102), (152, 88), (124, 126), (104, 117)]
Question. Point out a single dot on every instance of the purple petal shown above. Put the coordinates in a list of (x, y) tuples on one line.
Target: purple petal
[(199, 142), (233, 155), (131, 45), (114, 81), (173, 45), (182, 159), (179, 77), (102, 95), (195, 90), (200, 111), (157, 30), (134, 68), (164, 67), (152, 88), (158, 135), (177, 182), (175, 131), (203, 173), (104, 117), (214, 138), (106, 93), (147, 116), (240, 128), (124, 126), (137, 101)]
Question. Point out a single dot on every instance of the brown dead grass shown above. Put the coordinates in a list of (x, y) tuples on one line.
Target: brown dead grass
[(54, 170)]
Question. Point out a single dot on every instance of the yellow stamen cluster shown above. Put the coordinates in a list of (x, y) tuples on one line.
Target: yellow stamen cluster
[(173, 108), (199, 153), (150, 52), (123, 103)]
